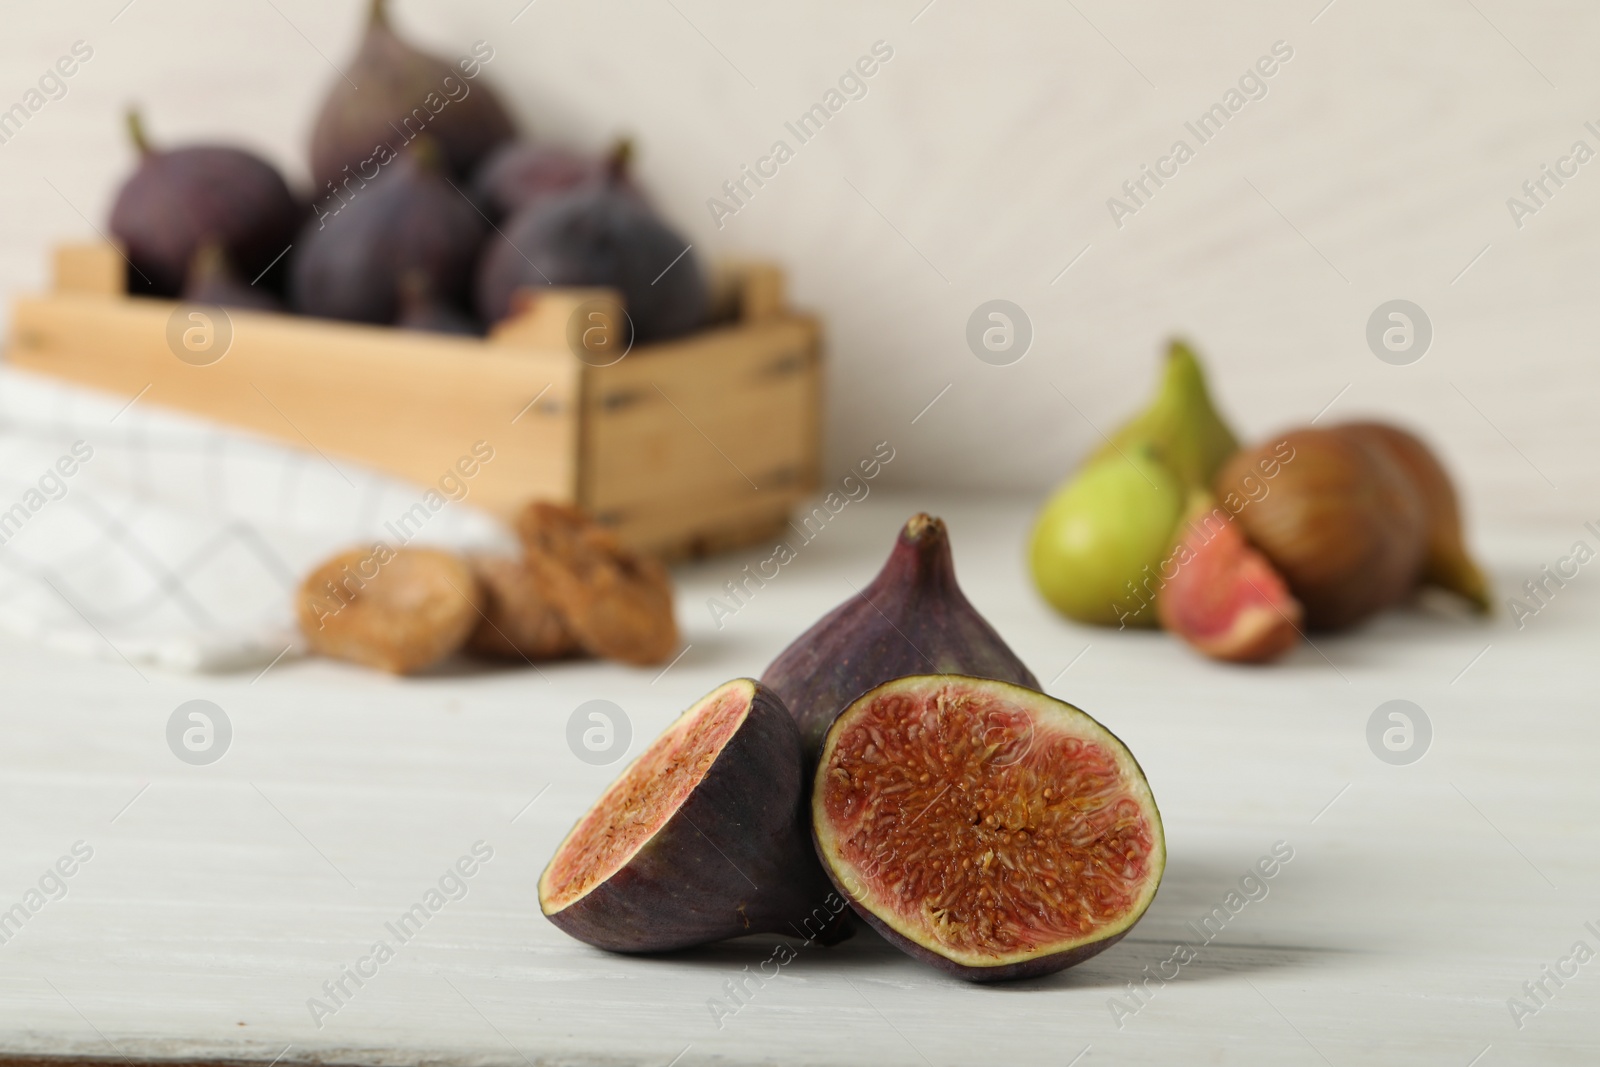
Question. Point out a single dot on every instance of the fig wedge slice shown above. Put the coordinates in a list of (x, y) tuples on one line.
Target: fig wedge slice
[(984, 828), (702, 838)]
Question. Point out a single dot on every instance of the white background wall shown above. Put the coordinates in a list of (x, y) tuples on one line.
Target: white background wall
[(1378, 166)]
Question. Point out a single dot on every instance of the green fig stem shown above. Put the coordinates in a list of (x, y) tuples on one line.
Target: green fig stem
[(426, 152), (620, 160), (136, 132)]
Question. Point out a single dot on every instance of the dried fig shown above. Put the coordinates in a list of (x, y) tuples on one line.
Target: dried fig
[(519, 621), (399, 610), (618, 604)]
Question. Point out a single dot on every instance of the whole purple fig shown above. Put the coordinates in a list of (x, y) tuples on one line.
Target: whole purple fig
[(390, 93), (599, 234), (181, 198), (351, 258), (912, 619), (520, 172)]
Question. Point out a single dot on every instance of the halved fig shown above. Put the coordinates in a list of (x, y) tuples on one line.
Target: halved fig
[(702, 838), (988, 829), (1225, 599)]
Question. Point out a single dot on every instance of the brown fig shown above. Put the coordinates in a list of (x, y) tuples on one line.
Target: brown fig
[(519, 622), (1335, 515), (1446, 563), (911, 619), (390, 93), (399, 610), (985, 828), (703, 837), (1223, 597), (617, 603)]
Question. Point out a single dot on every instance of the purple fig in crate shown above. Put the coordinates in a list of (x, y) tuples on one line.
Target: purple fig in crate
[(420, 309), (181, 198), (519, 173), (599, 234), (212, 280), (390, 93), (984, 828), (350, 259), (912, 619), (704, 837)]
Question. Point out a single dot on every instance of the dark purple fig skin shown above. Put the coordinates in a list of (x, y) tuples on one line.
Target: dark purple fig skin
[(1034, 968), (348, 263), (912, 619), (600, 234), (734, 859), (212, 281), (520, 172), (392, 83), (180, 198)]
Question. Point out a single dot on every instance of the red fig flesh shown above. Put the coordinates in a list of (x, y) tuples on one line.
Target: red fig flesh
[(985, 828), (1225, 599), (911, 619), (702, 838)]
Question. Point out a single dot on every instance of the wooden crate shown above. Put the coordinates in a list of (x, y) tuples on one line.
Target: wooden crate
[(686, 447)]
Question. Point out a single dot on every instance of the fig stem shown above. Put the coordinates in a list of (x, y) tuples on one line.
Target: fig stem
[(620, 159), (427, 153), (136, 133), (378, 13)]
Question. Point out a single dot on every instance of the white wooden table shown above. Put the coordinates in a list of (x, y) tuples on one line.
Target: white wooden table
[(219, 899)]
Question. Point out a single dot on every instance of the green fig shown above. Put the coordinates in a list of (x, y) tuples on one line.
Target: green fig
[(1099, 543), (1181, 424)]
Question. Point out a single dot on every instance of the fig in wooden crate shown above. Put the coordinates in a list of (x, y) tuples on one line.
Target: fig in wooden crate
[(984, 828), (617, 603), (212, 280), (599, 234), (352, 257), (520, 172), (391, 92), (399, 610), (178, 199), (519, 621), (702, 838)]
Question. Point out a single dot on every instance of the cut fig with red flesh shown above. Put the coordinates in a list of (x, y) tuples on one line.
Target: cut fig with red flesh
[(987, 829), (911, 619), (702, 838), (1225, 599)]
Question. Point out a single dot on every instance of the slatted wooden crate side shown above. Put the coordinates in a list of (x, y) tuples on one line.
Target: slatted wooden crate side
[(409, 404)]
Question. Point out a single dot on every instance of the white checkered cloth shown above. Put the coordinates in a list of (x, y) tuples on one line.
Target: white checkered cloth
[(177, 543)]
